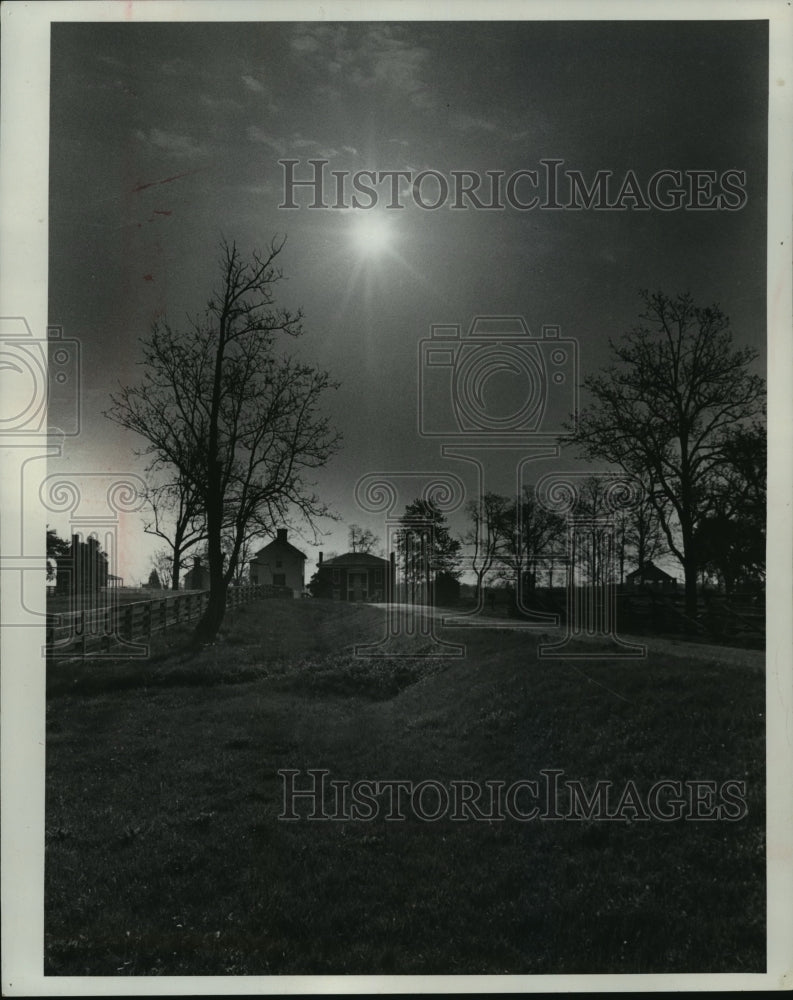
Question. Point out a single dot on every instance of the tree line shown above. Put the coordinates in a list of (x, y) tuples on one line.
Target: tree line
[(681, 413), (234, 431)]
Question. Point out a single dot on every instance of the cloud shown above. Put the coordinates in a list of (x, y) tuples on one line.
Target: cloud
[(170, 142), (252, 84), (327, 93), (296, 144), (256, 134), (309, 39), (255, 86), (472, 123), (112, 61), (367, 56), (176, 66), (388, 59), (220, 103)]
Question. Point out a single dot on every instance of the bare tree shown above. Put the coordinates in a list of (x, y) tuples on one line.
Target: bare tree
[(528, 534), (484, 535), (663, 409), (246, 553), (162, 561), (426, 549), (640, 536), (362, 539), (240, 423), (732, 539), (593, 555), (177, 517)]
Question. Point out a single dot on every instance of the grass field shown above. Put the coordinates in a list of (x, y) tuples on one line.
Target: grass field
[(165, 854)]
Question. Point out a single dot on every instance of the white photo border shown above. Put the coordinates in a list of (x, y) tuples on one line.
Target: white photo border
[(24, 147)]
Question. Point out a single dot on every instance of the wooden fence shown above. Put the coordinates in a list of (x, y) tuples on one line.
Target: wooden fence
[(113, 629)]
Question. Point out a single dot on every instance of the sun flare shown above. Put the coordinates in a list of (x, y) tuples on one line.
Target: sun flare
[(371, 233)]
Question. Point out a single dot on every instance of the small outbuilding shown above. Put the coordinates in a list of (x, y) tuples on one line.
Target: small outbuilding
[(197, 578), (650, 577)]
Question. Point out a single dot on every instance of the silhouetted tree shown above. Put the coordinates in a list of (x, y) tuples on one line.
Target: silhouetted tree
[(527, 535), (57, 547), (362, 539), (484, 535), (731, 539), (238, 421), (664, 408), (426, 547), (177, 516)]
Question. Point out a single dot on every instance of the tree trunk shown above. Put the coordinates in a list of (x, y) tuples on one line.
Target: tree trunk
[(210, 623), (480, 577), (177, 559)]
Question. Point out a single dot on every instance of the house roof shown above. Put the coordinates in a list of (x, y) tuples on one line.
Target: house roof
[(278, 546), (649, 571), (356, 559)]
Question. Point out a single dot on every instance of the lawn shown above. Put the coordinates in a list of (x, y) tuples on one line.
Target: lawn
[(165, 854)]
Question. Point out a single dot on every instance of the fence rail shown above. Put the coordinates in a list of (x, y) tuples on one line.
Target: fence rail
[(115, 629)]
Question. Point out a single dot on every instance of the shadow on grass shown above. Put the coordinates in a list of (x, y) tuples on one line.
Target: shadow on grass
[(239, 656)]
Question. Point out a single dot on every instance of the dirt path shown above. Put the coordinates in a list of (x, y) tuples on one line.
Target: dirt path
[(733, 655)]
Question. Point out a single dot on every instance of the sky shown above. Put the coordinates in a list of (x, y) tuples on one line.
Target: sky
[(164, 138)]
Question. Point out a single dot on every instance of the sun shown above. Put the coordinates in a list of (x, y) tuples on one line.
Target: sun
[(371, 233)]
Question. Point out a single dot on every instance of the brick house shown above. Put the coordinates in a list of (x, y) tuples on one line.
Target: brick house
[(354, 576), (279, 564)]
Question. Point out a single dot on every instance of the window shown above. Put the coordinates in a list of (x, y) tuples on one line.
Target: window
[(278, 563), (279, 579)]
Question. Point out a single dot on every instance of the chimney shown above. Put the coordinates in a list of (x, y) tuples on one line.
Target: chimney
[(320, 557), (281, 535)]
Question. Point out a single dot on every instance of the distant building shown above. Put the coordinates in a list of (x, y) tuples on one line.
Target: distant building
[(354, 576), (279, 564), (197, 578), (81, 569), (649, 576)]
